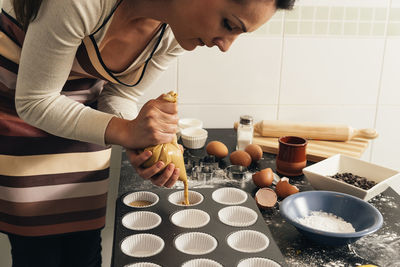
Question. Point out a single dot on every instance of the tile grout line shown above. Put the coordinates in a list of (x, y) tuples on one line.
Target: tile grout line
[(381, 74), (281, 66)]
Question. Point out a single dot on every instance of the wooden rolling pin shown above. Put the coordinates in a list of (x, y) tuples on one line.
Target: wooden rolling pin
[(308, 130)]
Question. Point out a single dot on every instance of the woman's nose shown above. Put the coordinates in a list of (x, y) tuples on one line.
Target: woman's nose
[(224, 43)]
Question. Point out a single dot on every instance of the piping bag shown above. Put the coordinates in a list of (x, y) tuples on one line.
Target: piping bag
[(169, 152)]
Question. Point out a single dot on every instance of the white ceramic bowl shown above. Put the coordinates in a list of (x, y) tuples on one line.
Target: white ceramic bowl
[(317, 174), (189, 123), (194, 138)]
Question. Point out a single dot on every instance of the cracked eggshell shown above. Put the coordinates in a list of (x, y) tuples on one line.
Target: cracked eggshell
[(284, 189), (266, 198), (263, 178)]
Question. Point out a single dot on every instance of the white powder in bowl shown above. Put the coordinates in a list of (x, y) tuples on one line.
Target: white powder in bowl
[(327, 222)]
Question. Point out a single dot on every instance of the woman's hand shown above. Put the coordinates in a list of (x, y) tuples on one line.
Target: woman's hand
[(155, 124), (166, 177)]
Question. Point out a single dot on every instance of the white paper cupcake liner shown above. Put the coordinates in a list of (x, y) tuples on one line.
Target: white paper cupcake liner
[(177, 198), (141, 220), (142, 245), (190, 218), (195, 243), (237, 216), (258, 262), (229, 196), (194, 138), (248, 241), (141, 196), (143, 264), (201, 263)]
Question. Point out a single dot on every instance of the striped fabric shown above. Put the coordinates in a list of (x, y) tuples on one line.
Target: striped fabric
[(51, 185)]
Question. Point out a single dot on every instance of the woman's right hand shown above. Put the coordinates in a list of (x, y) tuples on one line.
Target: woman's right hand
[(155, 124)]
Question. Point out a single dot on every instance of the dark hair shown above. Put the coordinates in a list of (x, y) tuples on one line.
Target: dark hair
[(279, 4), (285, 4), (26, 11)]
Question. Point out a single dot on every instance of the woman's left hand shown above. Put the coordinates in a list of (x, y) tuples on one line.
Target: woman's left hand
[(155, 174)]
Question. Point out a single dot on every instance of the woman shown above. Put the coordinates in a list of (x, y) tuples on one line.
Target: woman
[(71, 72)]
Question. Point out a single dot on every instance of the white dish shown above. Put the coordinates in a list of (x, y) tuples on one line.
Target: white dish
[(190, 122), (317, 174), (194, 138)]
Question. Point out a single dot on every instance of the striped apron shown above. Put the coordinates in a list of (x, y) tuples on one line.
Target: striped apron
[(51, 185)]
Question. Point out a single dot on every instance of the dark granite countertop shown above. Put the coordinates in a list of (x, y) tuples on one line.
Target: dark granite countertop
[(381, 248)]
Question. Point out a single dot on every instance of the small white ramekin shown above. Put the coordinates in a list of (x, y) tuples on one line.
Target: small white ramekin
[(194, 138), (189, 123)]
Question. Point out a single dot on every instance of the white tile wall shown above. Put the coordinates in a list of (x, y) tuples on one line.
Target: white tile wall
[(390, 87), (247, 74), (331, 71)]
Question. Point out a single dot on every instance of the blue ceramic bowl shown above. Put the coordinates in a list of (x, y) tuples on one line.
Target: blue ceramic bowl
[(364, 217)]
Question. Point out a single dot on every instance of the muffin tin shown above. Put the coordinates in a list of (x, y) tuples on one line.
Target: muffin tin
[(223, 227)]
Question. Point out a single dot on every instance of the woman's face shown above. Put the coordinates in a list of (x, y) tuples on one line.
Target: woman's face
[(217, 22)]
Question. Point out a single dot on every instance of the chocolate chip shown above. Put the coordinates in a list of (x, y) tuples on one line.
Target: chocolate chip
[(353, 179)]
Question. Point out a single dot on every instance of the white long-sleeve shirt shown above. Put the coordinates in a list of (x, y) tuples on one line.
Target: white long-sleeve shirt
[(48, 55)]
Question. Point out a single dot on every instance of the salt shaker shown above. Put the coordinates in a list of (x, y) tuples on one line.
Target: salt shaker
[(244, 132)]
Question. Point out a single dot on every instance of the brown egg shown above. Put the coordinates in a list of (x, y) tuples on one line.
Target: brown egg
[(284, 189), (240, 157), (217, 149), (254, 151), (263, 178)]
